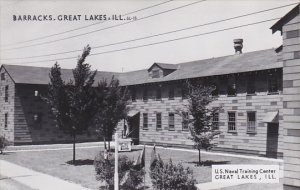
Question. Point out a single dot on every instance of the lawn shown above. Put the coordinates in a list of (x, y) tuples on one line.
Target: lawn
[(55, 163)]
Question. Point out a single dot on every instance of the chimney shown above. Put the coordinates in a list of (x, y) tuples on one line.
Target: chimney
[(238, 45)]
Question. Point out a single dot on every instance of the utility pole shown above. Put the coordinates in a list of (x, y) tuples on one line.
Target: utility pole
[(116, 162)]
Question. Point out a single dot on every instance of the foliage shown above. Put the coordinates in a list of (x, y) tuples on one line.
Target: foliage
[(73, 103), (112, 101), (58, 99), (170, 176), (3, 144), (201, 128), (131, 177)]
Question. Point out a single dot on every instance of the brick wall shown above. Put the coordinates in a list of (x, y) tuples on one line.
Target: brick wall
[(291, 101), (41, 130), (7, 107)]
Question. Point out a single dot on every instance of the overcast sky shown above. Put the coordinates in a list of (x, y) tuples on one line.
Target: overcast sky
[(256, 37)]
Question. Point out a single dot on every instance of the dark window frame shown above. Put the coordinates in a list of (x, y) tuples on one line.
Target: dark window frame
[(251, 85), (145, 121), (215, 92), (231, 122), (273, 83), (158, 93), (185, 121), (155, 73), (184, 93), (133, 94), (171, 123), (5, 121), (6, 93), (145, 94), (2, 76), (215, 121), (158, 121), (171, 93), (231, 86), (251, 125), (37, 120)]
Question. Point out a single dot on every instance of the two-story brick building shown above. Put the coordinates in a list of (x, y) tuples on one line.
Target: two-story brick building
[(249, 89)]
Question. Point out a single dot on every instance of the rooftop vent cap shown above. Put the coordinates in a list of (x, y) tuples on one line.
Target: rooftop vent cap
[(238, 45)]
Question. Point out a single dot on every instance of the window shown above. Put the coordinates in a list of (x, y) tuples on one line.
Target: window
[(292, 34), (158, 93), (158, 120), (215, 92), (5, 120), (215, 121), (231, 87), (145, 94), (6, 94), (185, 121), (145, 121), (171, 93), (184, 92), (272, 83), (251, 122), (36, 93), (2, 76), (155, 74), (133, 94), (171, 121), (231, 122), (37, 120), (251, 85)]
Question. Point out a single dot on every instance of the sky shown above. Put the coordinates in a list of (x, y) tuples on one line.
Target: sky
[(30, 38)]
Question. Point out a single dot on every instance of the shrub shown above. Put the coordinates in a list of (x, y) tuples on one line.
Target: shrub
[(130, 176), (3, 144), (170, 176)]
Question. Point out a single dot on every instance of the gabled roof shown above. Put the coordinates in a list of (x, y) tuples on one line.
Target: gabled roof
[(285, 19), (238, 63), (245, 62), (164, 66), (40, 75)]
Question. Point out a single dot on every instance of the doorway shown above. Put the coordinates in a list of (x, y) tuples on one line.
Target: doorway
[(272, 140), (134, 128)]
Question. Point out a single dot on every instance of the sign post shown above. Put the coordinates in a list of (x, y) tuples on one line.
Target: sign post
[(116, 162)]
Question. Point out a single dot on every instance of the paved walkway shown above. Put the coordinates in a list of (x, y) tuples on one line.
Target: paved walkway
[(35, 180)]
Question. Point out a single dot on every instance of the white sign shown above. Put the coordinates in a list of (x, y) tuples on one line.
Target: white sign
[(245, 173)]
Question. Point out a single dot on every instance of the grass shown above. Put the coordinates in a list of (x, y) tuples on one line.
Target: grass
[(57, 163)]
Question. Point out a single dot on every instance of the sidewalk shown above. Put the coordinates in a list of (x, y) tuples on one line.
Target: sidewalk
[(35, 180)]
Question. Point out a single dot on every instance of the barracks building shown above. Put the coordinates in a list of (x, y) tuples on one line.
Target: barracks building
[(259, 93)]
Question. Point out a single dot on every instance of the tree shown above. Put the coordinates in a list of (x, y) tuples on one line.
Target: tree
[(201, 128), (112, 101), (73, 103)]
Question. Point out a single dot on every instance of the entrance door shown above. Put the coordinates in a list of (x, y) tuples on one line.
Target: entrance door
[(134, 128), (272, 140)]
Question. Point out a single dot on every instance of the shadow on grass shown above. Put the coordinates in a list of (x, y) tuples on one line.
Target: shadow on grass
[(81, 162), (209, 163)]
